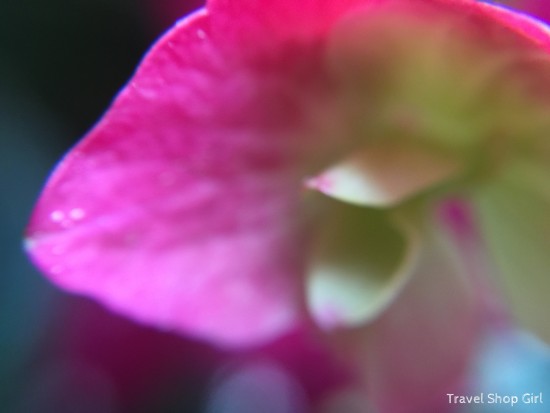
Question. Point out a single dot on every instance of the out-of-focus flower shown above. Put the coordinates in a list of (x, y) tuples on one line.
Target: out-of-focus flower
[(99, 361), (513, 363), (273, 161)]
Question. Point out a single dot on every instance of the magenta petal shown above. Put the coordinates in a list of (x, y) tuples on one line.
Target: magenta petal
[(279, 20), (526, 25), (172, 210), (274, 21)]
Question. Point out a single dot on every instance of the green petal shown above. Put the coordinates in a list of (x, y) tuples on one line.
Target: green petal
[(358, 265), (385, 174), (420, 346), (515, 218)]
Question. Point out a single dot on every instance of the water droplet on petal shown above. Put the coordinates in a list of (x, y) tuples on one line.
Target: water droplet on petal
[(57, 216), (201, 34)]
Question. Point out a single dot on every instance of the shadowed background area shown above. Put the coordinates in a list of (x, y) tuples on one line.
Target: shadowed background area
[(61, 63)]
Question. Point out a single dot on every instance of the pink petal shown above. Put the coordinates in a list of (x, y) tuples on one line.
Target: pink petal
[(275, 21), (526, 25), (538, 8), (178, 208)]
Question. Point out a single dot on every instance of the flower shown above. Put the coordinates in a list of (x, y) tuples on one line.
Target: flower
[(272, 162)]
